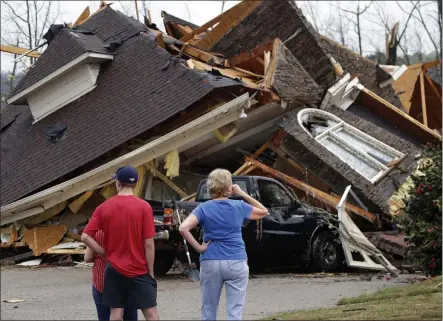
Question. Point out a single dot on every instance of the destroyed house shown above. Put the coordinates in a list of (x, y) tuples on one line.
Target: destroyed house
[(111, 91), (96, 87)]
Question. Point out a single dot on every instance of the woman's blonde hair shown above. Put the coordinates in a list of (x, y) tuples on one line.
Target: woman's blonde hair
[(219, 183)]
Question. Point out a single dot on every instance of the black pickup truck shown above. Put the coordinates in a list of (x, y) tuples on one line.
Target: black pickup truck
[(292, 235)]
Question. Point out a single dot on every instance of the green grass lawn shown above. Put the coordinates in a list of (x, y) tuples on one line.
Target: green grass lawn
[(422, 301)]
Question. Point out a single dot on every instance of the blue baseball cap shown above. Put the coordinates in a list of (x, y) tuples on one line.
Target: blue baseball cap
[(127, 175)]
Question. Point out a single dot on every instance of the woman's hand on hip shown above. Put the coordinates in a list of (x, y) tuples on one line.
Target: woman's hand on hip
[(203, 247)]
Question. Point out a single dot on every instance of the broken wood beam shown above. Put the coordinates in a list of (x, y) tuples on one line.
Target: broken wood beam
[(83, 16), (194, 52), (168, 182), (19, 51), (423, 99), (77, 204), (257, 52), (65, 251), (317, 194), (229, 20)]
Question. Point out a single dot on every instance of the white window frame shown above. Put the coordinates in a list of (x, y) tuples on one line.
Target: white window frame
[(331, 134)]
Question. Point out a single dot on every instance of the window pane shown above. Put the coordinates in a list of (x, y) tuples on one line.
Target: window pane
[(364, 146), (272, 195), (364, 168)]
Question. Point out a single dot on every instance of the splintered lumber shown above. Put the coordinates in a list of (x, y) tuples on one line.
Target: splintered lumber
[(159, 39), (311, 191), (77, 204), (168, 182), (423, 99), (257, 52), (234, 10), (194, 52), (229, 20), (271, 66), (42, 238), (83, 16), (19, 51)]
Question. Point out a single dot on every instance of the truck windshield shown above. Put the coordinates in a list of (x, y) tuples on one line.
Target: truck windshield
[(203, 194)]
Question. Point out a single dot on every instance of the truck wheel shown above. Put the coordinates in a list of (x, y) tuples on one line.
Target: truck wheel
[(327, 252), (163, 262)]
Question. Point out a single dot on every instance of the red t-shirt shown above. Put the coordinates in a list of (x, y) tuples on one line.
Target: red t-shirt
[(98, 271), (127, 221)]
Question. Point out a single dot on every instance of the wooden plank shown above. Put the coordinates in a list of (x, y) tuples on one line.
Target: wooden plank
[(169, 183), (74, 236), (77, 204), (431, 64), (211, 22), (19, 51), (261, 149), (267, 61), (394, 109), (431, 83), (194, 52), (257, 52), (230, 19), (317, 194), (65, 251), (423, 99), (83, 16), (159, 39), (42, 238)]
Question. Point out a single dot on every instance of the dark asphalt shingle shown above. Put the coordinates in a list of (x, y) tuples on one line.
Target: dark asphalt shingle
[(142, 87)]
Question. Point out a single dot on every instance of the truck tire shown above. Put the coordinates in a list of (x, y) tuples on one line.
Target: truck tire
[(327, 252), (163, 262)]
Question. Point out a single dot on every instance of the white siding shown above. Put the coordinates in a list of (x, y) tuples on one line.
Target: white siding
[(62, 90)]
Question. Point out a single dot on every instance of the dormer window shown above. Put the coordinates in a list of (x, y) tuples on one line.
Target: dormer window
[(63, 86), (366, 155)]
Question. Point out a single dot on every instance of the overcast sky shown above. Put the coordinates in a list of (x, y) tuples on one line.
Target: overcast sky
[(200, 12)]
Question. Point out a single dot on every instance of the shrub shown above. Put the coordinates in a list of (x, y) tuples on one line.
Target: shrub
[(423, 221)]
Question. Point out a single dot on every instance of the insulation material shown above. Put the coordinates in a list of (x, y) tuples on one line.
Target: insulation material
[(42, 238), (46, 215), (396, 202), (225, 132), (172, 164)]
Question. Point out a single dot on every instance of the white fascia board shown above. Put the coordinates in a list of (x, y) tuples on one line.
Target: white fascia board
[(394, 76), (185, 134), (84, 57)]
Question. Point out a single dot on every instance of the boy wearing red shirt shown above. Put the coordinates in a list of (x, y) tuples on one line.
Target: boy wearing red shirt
[(128, 244)]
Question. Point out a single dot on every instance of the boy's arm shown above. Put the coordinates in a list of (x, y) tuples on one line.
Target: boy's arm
[(90, 230), (89, 255), (150, 255)]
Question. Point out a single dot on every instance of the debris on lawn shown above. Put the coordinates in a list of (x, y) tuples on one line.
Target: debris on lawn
[(13, 301)]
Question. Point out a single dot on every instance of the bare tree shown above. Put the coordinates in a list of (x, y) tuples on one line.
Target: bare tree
[(395, 35), (313, 11), (27, 21), (188, 10), (357, 22), (223, 2), (426, 23), (340, 27)]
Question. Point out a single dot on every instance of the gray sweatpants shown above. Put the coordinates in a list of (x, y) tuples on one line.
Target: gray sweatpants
[(213, 274)]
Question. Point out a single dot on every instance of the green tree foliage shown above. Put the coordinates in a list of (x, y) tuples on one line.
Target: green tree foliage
[(423, 222)]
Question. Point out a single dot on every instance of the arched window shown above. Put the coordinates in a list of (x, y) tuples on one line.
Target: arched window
[(366, 155)]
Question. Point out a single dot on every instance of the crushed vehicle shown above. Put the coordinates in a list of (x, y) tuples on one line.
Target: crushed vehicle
[(293, 234)]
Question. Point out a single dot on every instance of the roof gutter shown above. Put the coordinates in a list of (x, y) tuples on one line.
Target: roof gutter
[(39, 202)]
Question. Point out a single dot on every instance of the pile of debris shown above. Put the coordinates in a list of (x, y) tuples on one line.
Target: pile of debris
[(256, 85)]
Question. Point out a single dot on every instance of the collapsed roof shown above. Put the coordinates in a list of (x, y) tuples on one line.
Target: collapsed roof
[(142, 87)]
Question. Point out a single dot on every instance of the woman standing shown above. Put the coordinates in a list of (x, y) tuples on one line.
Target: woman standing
[(223, 259)]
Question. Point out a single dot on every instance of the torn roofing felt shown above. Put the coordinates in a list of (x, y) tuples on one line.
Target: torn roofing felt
[(280, 19), (64, 48), (336, 173), (134, 93)]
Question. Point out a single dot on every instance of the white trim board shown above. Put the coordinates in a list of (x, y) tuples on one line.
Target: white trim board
[(45, 199), (87, 56)]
